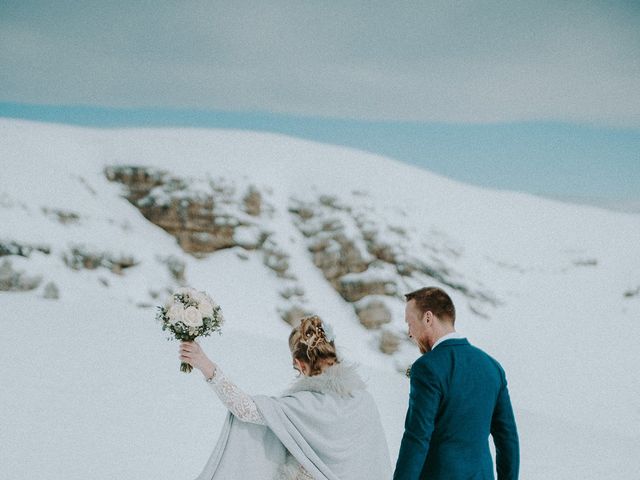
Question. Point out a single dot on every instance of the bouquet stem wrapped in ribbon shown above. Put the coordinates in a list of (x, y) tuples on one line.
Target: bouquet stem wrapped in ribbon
[(189, 314)]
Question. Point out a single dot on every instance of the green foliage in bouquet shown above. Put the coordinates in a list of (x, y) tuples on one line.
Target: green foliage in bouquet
[(190, 314)]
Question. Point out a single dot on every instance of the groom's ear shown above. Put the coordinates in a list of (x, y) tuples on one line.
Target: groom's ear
[(427, 316)]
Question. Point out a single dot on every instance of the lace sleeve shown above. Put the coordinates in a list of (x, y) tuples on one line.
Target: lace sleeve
[(236, 401)]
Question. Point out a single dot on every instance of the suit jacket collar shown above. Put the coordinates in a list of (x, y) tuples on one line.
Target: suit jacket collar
[(452, 342)]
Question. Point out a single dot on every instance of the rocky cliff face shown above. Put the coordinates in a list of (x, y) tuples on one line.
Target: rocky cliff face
[(368, 262), (203, 215)]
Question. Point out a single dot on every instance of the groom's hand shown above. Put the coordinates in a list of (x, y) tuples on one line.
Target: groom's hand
[(191, 353)]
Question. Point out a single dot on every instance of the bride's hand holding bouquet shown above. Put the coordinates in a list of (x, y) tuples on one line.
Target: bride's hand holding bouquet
[(191, 353)]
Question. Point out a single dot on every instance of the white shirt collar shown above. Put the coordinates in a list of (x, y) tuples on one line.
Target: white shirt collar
[(448, 336)]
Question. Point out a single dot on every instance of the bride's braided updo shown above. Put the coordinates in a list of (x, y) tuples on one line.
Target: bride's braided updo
[(308, 343)]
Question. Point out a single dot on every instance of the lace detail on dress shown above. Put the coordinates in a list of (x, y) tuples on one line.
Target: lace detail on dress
[(292, 470), (303, 474), (236, 401)]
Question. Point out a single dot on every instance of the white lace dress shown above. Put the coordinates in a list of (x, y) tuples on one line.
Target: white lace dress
[(244, 408)]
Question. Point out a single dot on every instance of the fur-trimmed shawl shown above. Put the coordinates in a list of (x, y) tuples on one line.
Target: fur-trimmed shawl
[(341, 379), (329, 424)]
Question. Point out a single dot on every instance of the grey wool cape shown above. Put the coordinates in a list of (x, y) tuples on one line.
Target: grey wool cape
[(329, 423)]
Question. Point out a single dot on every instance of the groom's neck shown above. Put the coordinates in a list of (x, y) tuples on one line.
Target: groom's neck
[(443, 330)]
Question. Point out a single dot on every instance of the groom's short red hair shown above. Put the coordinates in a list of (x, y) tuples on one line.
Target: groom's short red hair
[(436, 300)]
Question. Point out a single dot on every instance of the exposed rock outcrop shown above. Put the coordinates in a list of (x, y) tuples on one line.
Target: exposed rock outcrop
[(51, 291), (389, 342), (336, 255), (293, 314), (203, 216), (373, 313), (276, 259), (176, 267), (336, 250), (253, 201), (632, 293), (355, 287), (292, 291), (10, 247), (16, 280), (368, 261), (138, 180), (81, 257), (63, 216)]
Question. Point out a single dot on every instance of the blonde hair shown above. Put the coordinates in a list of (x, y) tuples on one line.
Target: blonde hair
[(308, 343)]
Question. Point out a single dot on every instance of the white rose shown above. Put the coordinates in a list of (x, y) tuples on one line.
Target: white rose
[(176, 313), (206, 309), (192, 317)]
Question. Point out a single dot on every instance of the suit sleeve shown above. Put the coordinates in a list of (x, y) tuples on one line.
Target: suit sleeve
[(505, 436), (424, 402)]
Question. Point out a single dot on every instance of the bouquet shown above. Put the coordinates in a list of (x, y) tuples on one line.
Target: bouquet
[(189, 314)]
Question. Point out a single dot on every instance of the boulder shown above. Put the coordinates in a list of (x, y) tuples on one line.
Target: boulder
[(293, 314), (389, 342), (51, 291), (16, 281), (354, 287), (373, 314)]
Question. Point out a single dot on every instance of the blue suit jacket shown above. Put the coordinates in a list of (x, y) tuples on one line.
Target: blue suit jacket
[(458, 397)]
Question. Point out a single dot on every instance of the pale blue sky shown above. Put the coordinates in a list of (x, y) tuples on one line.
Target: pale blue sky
[(539, 96)]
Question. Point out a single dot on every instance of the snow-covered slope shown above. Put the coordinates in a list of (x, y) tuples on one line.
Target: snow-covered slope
[(90, 385)]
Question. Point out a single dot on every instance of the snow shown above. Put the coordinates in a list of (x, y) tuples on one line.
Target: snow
[(89, 383)]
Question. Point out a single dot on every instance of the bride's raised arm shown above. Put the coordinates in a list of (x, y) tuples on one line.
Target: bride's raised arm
[(236, 401)]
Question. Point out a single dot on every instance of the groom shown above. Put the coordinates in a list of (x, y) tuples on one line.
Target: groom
[(458, 397)]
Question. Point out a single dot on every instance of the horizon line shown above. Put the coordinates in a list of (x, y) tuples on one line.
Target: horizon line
[(433, 146)]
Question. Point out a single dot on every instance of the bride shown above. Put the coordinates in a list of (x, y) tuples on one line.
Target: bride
[(326, 426)]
